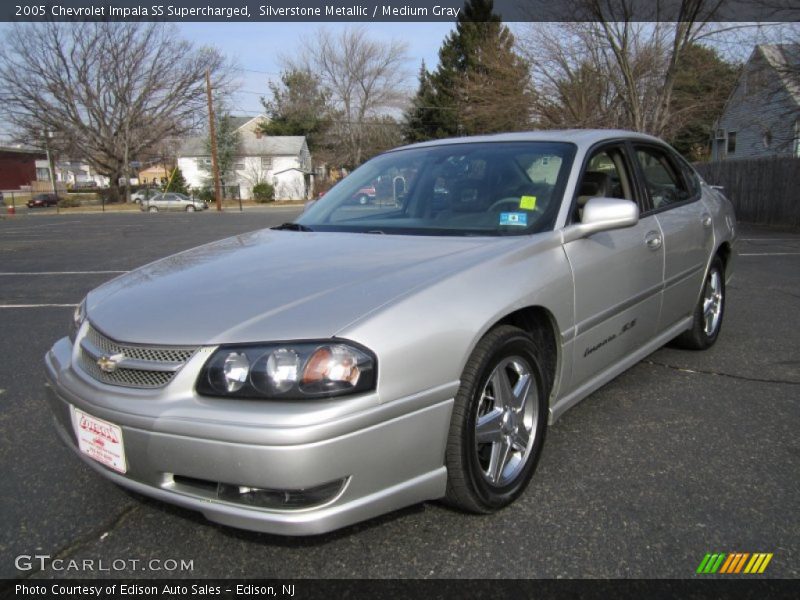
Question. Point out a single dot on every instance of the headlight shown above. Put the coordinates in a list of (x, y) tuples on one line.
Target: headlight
[(78, 317), (288, 371)]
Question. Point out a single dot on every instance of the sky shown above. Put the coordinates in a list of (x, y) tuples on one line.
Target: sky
[(257, 49)]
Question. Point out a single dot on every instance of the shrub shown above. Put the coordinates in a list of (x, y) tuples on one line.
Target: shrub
[(205, 194), (68, 202), (263, 192)]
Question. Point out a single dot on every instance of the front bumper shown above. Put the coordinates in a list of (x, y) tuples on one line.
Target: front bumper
[(390, 456)]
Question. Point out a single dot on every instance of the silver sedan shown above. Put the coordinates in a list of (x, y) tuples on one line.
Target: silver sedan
[(368, 357)]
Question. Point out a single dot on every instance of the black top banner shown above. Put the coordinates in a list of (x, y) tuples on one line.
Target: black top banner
[(399, 11)]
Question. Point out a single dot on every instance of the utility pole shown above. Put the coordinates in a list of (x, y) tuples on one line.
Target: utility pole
[(50, 166), (213, 134)]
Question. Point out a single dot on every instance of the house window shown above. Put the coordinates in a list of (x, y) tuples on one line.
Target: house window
[(238, 166), (203, 162), (731, 142), (266, 162), (797, 138)]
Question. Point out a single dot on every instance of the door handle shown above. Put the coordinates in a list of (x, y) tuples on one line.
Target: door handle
[(653, 240), (706, 220)]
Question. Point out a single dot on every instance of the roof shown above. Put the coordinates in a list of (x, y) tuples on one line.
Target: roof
[(580, 137), (272, 145), (22, 150), (785, 59)]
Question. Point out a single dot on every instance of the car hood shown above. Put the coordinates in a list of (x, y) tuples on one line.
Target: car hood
[(275, 285)]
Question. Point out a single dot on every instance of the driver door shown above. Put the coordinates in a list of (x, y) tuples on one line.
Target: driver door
[(617, 274)]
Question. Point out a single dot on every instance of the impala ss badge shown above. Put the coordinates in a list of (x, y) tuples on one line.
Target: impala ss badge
[(108, 364)]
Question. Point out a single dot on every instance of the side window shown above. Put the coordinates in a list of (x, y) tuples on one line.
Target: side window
[(606, 176), (663, 180)]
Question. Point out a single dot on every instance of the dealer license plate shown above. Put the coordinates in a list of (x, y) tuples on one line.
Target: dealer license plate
[(100, 440)]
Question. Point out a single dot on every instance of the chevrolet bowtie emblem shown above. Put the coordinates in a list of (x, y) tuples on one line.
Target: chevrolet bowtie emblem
[(108, 364)]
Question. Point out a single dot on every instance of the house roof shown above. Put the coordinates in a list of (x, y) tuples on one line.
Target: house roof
[(785, 59), (273, 145)]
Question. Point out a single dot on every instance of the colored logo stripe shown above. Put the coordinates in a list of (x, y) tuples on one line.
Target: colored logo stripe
[(734, 563)]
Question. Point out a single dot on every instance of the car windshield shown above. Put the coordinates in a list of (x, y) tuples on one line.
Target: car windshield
[(486, 188)]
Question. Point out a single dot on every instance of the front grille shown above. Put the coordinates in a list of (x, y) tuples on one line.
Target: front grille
[(167, 355), (139, 366)]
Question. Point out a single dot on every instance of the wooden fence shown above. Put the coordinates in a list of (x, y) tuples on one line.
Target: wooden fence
[(763, 190)]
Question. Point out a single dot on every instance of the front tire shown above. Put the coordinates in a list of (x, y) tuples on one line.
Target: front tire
[(152, 209), (498, 424), (363, 199), (190, 208), (709, 311)]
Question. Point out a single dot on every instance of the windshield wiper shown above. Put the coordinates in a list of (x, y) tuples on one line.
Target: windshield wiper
[(291, 227)]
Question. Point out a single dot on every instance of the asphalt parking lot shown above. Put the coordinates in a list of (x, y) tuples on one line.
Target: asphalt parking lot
[(686, 453)]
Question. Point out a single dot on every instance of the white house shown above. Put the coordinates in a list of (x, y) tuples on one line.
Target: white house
[(282, 161), (71, 174)]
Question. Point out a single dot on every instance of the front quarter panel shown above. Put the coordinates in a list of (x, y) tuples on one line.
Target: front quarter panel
[(424, 339)]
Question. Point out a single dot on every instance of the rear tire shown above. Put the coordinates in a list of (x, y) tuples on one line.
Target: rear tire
[(708, 313), (152, 209), (498, 424)]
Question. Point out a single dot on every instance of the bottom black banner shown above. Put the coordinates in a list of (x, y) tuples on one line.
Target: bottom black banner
[(430, 589)]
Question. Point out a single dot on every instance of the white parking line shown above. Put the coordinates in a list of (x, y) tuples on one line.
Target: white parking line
[(11, 273), (38, 306), (771, 254)]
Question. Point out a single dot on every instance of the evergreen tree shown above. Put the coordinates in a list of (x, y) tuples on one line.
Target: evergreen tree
[(702, 86), (229, 142), (176, 183), (481, 84), (299, 106)]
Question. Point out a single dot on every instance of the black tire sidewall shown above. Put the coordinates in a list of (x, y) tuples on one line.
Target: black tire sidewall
[(514, 343)]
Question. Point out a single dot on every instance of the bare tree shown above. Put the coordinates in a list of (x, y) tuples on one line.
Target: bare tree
[(364, 79), (105, 92), (631, 66)]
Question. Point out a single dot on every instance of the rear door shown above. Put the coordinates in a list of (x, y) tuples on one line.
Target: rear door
[(618, 274), (674, 197)]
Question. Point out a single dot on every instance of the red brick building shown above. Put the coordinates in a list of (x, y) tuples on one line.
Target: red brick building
[(18, 167)]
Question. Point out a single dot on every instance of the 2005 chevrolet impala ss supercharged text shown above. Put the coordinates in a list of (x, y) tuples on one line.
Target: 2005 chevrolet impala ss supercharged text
[(371, 356)]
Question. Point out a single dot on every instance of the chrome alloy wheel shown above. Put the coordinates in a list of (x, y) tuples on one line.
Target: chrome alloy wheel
[(712, 302), (508, 411)]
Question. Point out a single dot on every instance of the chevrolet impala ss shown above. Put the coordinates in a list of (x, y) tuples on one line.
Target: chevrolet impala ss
[(367, 357)]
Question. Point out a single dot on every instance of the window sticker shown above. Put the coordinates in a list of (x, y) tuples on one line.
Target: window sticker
[(519, 219), (527, 203)]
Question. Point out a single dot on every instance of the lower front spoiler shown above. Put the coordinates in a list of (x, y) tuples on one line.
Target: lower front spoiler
[(294, 523), (398, 463)]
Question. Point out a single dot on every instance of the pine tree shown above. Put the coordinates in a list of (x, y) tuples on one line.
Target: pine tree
[(176, 183), (481, 84)]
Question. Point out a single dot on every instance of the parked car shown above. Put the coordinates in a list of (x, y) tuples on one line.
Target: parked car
[(364, 195), (139, 195), (351, 374), (172, 201), (43, 200)]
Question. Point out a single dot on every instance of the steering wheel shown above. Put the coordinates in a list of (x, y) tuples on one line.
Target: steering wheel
[(512, 202)]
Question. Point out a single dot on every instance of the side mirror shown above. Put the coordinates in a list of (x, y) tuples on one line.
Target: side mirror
[(603, 214)]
